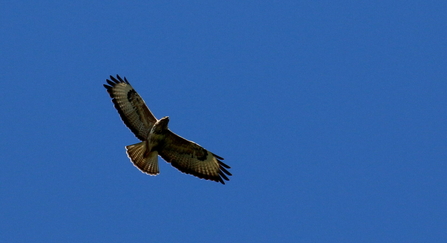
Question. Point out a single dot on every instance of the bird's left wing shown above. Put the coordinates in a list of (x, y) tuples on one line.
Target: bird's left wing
[(131, 107), (191, 158)]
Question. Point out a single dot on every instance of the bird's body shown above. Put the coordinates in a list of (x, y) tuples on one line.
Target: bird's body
[(157, 139)]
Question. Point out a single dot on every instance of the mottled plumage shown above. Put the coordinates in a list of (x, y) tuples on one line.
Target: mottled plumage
[(157, 139)]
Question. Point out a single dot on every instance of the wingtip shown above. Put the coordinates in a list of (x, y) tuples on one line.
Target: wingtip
[(113, 81)]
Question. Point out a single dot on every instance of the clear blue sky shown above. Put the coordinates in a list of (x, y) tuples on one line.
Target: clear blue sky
[(332, 115)]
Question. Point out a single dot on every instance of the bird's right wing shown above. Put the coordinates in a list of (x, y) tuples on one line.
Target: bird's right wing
[(131, 107)]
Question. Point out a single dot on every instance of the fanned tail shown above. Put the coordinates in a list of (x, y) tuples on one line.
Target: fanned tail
[(146, 161)]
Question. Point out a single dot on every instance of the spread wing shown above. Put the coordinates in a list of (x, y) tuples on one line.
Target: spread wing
[(131, 107), (191, 158)]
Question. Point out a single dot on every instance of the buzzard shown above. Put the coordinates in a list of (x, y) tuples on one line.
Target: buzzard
[(157, 139)]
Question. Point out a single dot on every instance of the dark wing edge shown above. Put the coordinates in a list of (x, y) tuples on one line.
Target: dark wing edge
[(146, 119), (190, 158), (222, 168)]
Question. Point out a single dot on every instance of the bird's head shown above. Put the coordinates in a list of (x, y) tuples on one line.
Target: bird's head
[(161, 125), (164, 122)]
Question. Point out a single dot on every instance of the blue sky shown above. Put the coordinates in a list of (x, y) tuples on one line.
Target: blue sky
[(332, 115)]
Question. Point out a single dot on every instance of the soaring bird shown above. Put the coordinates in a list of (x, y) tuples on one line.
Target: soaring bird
[(157, 139)]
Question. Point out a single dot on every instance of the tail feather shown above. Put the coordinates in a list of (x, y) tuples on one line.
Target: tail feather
[(147, 162)]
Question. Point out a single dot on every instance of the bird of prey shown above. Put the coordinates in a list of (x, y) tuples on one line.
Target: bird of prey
[(157, 139)]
